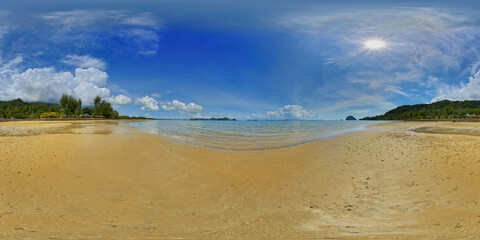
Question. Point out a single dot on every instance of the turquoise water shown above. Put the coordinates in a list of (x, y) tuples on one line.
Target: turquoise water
[(243, 135)]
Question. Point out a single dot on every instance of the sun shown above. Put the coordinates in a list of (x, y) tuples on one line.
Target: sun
[(375, 44)]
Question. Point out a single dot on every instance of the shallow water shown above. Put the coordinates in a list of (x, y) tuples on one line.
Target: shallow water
[(244, 135), (21, 131), (42, 128), (471, 131)]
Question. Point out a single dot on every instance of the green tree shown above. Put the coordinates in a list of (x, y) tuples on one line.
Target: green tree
[(87, 110), (97, 100), (64, 101), (71, 105), (103, 108)]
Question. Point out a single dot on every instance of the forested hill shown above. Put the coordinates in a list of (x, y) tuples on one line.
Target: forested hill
[(438, 110), (69, 107), (20, 103), (18, 109)]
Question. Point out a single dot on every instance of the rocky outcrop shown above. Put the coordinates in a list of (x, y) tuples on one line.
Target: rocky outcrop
[(350, 118)]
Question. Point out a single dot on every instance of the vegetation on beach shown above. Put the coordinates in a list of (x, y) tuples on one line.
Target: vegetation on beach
[(438, 110), (103, 108), (68, 107)]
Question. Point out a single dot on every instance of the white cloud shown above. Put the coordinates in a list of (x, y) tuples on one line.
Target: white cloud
[(416, 38), (144, 20), (6, 24), (47, 85), (420, 38), (156, 95), (146, 40), (84, 62), (357, 99), (75, 19), (175, 105), (3, 31), (91, 75), (119, 100), (290, 112), (37, 84), (148, 103), (12, 63), (87, 91), (396, 90), (419, 42), (70, 20), (469, 91), (388, 82), (351, 102), (79, 27)]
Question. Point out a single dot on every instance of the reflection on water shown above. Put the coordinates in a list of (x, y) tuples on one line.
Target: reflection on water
[(20, 131), (42, 128), (249, 134)]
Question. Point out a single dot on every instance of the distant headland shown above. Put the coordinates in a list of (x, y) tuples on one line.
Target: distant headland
[(468, 110)]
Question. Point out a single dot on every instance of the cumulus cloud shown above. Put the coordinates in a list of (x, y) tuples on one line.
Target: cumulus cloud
[(469, 91), (148, 103), (289, 112), (91, 75), (181, 107), (84, 62), (37, 84), (119, 100), (47, 85), (87, 91)]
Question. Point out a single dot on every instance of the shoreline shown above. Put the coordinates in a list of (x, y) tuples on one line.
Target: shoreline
[(422, 127), (70, 120), (320, 138), (419, 127), (110, 185)]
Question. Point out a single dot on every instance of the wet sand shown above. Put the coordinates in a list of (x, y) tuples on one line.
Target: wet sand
[(101, 180)]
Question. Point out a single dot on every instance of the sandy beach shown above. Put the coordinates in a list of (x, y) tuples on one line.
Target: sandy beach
[(78, 180)]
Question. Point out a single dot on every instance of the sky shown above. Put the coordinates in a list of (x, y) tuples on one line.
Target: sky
[(241, 59)]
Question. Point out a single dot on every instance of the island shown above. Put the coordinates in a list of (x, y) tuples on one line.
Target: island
[(213, 119), (350, 118)]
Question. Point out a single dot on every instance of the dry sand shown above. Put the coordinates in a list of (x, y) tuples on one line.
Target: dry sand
[(104, 181)]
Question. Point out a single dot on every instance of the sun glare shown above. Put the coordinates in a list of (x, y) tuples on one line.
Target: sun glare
[(374, 44)]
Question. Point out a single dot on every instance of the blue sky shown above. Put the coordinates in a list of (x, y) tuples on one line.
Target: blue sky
[(254, 59)]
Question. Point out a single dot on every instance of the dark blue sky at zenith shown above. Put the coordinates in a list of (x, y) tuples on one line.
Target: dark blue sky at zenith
[(241, 59)]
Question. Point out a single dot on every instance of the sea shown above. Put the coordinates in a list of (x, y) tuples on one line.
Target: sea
[(249, 135)]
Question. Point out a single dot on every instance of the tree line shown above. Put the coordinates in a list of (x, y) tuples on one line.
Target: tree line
[(438, 110), (68, 107)]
